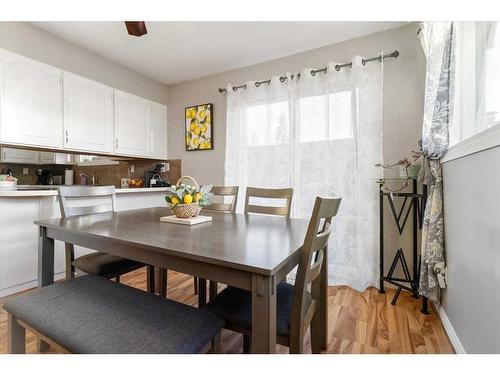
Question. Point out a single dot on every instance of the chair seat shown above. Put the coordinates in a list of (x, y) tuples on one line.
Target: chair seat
[(234, 305), (107, 265), (91, 314)]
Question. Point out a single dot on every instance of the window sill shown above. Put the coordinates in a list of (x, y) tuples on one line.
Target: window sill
[(488, 138)]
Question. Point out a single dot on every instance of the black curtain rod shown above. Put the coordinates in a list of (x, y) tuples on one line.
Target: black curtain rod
[(394, 54)]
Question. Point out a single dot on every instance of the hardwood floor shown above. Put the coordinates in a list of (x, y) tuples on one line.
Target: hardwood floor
[(358, 322)]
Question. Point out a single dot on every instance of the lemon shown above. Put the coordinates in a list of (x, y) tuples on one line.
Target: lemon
[(197, 130), (188, 140), (193, 126), (196, 141), (188, 199), (174, 200), (197, 197), (204, 129)]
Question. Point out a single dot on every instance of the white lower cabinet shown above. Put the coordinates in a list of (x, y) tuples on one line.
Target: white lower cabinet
[(14, 155), (19, 235), (19, 241)]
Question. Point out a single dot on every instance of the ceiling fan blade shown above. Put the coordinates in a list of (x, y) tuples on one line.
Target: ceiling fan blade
[(136, 28)]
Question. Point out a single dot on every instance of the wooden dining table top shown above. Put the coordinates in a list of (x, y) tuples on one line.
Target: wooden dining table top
[(256, 243)]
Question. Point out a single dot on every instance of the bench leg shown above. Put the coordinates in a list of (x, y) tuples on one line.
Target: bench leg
[(16, 336), (217, 344)]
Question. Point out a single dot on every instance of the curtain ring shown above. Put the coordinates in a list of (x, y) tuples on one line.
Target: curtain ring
[(257, 84), (337, 67), (245, 86), (235, 88), (363, 61), (381, 57), (282, 79), (313, 73)]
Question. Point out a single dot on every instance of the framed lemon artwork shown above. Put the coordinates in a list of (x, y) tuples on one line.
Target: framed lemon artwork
[(199, 127)]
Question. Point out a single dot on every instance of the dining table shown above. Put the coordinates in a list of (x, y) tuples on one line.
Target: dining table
[(251, 252)]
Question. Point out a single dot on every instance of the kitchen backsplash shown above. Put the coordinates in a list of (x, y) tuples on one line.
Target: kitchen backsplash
[(31, 178), (104, 174)]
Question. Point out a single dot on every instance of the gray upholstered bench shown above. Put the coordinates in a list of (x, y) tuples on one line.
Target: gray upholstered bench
[(91, 314)]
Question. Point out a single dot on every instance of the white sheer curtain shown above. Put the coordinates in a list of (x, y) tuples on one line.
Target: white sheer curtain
[(320, 134)]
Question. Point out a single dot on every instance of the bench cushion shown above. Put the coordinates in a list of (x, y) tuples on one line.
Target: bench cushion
[(107, 265), (234, 305), (91, 314)]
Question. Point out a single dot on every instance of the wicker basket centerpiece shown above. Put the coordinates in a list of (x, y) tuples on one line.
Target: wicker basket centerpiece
[(186, 200)]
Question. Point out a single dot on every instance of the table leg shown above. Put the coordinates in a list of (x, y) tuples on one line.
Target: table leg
[(45, 259), (323, 301), (45, 269), (202, 292), (212, 290), (263, 315)]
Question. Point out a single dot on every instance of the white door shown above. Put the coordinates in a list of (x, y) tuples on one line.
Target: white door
[(88, 114), (30, 102), (132, 124), (13, 155), (159, 131)]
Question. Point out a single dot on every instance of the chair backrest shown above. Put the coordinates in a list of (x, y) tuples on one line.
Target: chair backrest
[(78, 192), (312, 254), (269, 193), (224, 191)]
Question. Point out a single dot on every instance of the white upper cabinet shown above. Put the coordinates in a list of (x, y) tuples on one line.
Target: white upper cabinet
[(30, 102), (13, 155), (132, 124), (88, 115), (158, 131)]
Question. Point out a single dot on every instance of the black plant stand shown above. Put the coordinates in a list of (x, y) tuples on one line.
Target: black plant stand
[(412, 202)]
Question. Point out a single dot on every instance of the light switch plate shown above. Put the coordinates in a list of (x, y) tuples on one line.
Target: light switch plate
[(132, 168), (25, 171)]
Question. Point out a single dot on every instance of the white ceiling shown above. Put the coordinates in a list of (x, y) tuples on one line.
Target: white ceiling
[(174, 52)]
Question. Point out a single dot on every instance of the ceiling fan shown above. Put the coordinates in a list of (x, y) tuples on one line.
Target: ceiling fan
[(136, 28)]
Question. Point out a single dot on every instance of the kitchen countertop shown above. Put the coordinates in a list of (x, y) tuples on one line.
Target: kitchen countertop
[(52, 191)]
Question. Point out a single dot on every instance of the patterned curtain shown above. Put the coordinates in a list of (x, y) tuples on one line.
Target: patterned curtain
[(437, 42)]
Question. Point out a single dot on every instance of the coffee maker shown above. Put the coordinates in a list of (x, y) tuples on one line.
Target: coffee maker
[(44, 177)]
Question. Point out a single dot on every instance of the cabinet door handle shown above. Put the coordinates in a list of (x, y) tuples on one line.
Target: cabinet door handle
[(116, 143), (67, 137), (5, 155)]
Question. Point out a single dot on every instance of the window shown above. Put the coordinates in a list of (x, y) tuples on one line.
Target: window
[(477, 79), (267, 124), (326, 117)]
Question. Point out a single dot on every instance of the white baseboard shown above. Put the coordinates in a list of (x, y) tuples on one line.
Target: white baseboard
[(450, 331), (25, 286)]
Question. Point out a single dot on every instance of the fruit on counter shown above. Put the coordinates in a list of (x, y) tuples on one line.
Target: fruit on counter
[(135, 183), (188, 199), (174, 201)]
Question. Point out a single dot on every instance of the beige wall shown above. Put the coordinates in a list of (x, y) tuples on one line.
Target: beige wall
[(30, 41), (403, 96)]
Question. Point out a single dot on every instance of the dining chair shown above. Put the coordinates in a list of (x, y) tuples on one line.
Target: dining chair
[(296, 307), (96, 263), (253, 192), (227, 208)]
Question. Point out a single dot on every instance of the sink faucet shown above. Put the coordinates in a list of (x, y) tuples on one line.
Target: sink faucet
[(84, 179)]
